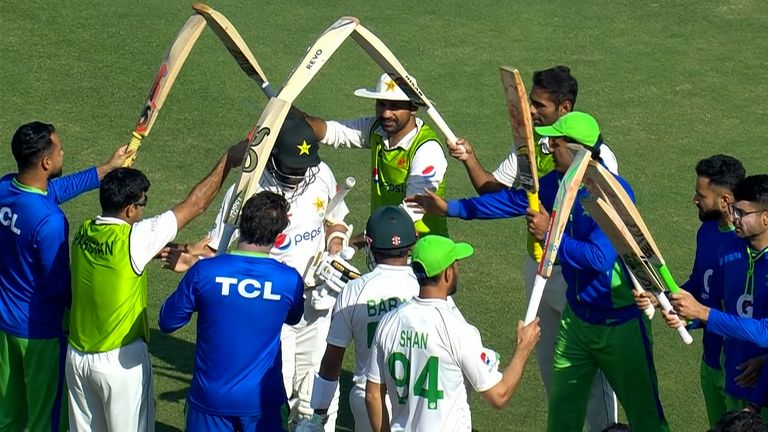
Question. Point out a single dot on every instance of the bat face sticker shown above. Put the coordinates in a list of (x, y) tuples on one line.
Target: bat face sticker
[(149, 106), (252, 158)]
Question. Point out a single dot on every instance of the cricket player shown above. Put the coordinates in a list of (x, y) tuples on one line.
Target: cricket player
[(742, 263), (406, 155), (553, 95), (242, 299), (362, 303), (716, 176), (296, 172), (423, 352), (601, 327), (34, 277), (109, 376)]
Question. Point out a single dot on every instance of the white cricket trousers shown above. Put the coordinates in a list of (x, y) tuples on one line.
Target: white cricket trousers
[(110, 391), (601, 407), (303, 347)]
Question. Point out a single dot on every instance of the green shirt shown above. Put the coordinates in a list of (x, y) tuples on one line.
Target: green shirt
[(391, 168), (109, 299)]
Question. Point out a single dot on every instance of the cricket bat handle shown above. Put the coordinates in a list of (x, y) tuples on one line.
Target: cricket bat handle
[(533, 304), (268, 90), (133, 145), (650, 310), (226, 235), (535, 246), (666, 306)]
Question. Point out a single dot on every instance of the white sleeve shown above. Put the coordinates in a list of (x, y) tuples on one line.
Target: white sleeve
[(479, 370), (507, 171), (340, 332), (218, 224), (427, 171), (609, 159), (348, 133), (149, 236), (326, 176)]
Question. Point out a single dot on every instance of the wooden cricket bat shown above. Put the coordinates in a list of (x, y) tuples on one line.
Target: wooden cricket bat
[(640, 268), (386, 59), (522, 137), (229, 36), (174, 59), (627, 211), (558, 218), (262, 137)]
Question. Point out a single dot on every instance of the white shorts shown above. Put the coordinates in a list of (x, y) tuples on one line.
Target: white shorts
[(111, 390)]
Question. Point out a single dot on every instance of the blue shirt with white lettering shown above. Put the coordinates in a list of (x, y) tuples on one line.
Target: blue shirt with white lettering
[(242, 300), (742, 275), (34, 263), (709, 239)]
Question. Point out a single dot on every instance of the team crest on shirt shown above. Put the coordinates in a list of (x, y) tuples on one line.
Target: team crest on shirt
[(745, 306), (429, 172), (319, 204), (402, 162)]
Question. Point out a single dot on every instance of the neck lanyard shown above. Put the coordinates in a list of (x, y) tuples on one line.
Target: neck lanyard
[(752, 258)]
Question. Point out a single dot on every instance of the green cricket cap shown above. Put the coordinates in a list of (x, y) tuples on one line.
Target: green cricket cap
[(436, 253), (296, 146), (578, 126)]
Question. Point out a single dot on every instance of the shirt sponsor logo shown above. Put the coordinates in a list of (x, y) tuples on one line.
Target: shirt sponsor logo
[(8, 218), (284, 241), (429, 172), (247, 288)]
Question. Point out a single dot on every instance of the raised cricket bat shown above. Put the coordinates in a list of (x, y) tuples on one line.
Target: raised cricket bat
[(262, 137), (175, 57), (337, 198), (640, 268), (229, 36), (522, 137), (384, 57), (558, 218), (627, 211)]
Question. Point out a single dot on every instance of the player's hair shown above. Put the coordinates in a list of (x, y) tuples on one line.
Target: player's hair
[(379, 254), (121, 188), (264, 217), (559, 83), (421, 275), (753, 189), (740, 421), (721, 170), (31, 142)]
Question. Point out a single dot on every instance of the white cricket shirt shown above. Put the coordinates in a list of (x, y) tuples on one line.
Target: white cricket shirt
[(422, 352), (360, 306)]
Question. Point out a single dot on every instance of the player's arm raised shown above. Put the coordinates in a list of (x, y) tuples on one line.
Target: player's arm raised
[(527, 337), (482, 180), (205, 191)]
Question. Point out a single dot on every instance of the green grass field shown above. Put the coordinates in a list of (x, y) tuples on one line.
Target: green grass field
[(670, 82)]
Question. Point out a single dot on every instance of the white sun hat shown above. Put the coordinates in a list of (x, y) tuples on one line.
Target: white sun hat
[(386, 89)]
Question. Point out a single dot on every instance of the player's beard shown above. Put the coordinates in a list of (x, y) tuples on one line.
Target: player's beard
[(454, 286), (709, 215), (56, 174)]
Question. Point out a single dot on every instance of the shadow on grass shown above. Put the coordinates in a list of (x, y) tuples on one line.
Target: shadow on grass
[(162, 427)]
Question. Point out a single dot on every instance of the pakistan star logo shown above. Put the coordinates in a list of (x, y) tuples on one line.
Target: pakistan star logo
[(304, 148), (319, 204), (390, 85)]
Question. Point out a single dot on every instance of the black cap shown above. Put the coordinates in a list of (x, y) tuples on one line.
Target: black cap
[(296, 146), (390, 228)]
